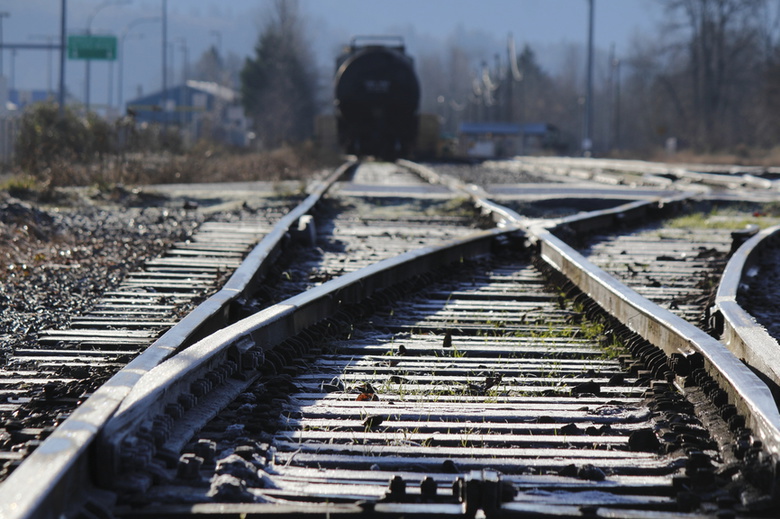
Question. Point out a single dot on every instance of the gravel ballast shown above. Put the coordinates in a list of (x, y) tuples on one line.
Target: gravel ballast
[(56, 261)]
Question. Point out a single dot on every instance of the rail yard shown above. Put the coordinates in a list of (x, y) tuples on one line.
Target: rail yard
[(514, 271), (403, 340)]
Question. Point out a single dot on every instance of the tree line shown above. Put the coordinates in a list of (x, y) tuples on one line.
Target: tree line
[(708, 79)]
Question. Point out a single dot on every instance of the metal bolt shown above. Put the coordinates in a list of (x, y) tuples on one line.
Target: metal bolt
[(200, 387), (206, 449), (215, 377), (174, 410), (428, 487), (189, 465), (397, 487), (187, 401)]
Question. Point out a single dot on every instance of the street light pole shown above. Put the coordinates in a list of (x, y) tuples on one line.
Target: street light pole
[(64, 9), (122, 37), (89, 33), (165, 61), (4, 14)]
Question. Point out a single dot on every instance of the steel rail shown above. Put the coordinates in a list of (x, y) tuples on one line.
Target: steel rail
[(739, 331), (260, 333), (678, 339), (598, 170), (235, 353), (238, 351), (46, 483), (502, 216), (672, 334)]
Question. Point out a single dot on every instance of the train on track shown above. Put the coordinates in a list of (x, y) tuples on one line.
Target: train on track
[(377, 97)]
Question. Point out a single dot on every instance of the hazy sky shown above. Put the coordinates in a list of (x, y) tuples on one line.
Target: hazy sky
[(195, 25)]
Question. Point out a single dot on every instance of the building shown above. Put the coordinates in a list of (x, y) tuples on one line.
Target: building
[(201, 109)]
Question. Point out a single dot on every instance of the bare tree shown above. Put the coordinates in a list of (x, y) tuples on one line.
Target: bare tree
[(719, 41), (210, 66)]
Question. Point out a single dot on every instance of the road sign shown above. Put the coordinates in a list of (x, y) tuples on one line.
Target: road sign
[(92, 47)]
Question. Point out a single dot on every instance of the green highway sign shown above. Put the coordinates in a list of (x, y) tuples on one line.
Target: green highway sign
[(92, 47)]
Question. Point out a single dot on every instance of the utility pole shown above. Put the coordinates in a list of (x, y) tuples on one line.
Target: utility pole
[(587, 140), (4, 14), (185, 68), (610, 108), (510, 79), (616, 124), (165, 63), (63, 49)]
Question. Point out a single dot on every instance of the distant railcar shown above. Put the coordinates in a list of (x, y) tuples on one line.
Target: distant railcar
[(377, 95)]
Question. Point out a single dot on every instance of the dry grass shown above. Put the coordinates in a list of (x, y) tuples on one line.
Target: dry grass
[(203, 163), (741, 157)]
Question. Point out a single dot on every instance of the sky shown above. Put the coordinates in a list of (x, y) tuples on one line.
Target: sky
[(233, 26)]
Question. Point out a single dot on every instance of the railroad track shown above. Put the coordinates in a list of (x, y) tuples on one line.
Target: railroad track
[(43, 383), (698, 177), (445, 380), (447, 409)]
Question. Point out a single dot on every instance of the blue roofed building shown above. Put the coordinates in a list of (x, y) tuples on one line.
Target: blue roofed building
[(199, 108)]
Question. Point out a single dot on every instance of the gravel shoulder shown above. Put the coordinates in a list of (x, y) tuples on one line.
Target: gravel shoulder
[(58, 257)]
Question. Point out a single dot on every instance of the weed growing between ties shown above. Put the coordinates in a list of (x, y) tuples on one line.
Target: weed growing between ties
[(596, 328), (728, 218), (592, 325)]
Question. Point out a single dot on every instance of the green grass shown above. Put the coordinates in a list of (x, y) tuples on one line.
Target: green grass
[(23, 186), (722, 219)]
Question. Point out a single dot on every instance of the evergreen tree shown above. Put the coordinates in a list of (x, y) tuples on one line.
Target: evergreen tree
[(279, 85)]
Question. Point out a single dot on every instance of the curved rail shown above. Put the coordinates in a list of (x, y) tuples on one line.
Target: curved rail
[(672, 334), (230, 358), (690, 177), (234, 356), (685, 346), (502, 216), (46, 482), (242, 348), (740, 332)]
